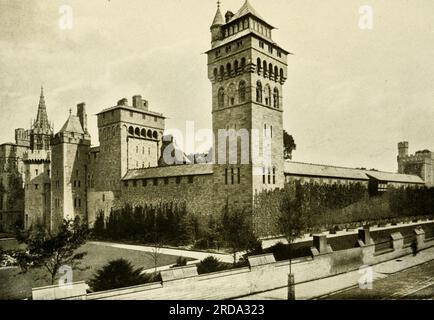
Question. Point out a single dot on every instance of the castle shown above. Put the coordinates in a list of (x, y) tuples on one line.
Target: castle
[(64, 177)]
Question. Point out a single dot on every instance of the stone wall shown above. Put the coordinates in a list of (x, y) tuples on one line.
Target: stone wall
[(262, 275), (197, 195)]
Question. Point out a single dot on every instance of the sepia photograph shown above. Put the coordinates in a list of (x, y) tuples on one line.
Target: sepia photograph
[(237, 151)]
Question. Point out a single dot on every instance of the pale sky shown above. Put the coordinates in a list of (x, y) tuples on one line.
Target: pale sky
[(350, 97)]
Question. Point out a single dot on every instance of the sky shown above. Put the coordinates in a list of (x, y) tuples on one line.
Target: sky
[(351, 95)]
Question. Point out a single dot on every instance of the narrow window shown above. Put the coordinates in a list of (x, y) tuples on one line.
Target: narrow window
[(166, 180), (144, 182), (269, 176), (274, 175), (155, 181), (263, 175), (178, 180), (226, 176), (190, 179), (239, 175), (232, 175)]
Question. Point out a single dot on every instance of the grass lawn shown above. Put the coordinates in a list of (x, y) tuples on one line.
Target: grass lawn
[(19, 286)]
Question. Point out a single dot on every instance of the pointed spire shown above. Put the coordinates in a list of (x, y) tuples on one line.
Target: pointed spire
[(218, 19), (42, 98), (41, 121)]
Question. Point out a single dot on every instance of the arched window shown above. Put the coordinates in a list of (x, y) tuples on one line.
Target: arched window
[(215, 73), (242, 91), (222, 71), (221, 97), (131, 130), (276, 98), (137, 132), (281, 74), (155, 135), (258, 65), (229, 69), (149, 134), (143, 133), (236, 66), (259, 92), (265, 68), (276, 73), (231, 94), (270, 70), (268, 95), (243, 63)]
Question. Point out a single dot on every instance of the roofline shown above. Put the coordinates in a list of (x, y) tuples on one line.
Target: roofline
[(130, 108), (255, 34), (328, 176), (251, 15)]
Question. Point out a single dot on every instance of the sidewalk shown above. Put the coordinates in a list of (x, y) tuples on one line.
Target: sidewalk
[(197, 255), (326, 286)]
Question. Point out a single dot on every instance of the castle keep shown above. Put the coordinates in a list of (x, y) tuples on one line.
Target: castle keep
[(47, 177)]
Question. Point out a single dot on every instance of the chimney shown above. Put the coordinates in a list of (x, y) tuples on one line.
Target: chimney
[(140, 103), (123, 102), (81, 114), (137, 101)]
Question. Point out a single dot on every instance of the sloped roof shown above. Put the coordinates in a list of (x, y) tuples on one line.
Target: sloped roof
[(394, 177), (318, 170), (218, 19), (245, 10), (72, 125), (170, 171)]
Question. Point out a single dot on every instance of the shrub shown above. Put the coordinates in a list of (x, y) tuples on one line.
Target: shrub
[(209, 264), (180, 262), (201, 244), (119, 274)]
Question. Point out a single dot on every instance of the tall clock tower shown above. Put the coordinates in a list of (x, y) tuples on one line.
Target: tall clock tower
[(247, 70)]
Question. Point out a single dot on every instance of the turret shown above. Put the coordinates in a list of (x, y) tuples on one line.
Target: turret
[(403, 149), (216, 27)]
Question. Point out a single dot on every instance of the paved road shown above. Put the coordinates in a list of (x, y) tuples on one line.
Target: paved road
[(414, 283)]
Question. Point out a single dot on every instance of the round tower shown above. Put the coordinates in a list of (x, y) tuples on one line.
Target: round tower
[(403, 149)]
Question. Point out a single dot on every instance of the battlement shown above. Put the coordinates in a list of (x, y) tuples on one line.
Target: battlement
[(37, 156)]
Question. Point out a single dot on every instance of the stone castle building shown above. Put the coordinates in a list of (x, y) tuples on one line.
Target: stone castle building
[(420, 164), (48, 177)]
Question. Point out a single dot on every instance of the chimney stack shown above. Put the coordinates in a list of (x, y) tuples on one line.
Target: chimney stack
[(140, 103), (81, 113)]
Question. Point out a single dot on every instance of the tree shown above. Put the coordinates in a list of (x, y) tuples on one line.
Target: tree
[(292, 223), (288, 145), (237, 231), (52, 251), (119, 274), (99, 226)]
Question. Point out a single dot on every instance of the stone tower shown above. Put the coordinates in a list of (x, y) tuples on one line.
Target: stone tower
[(69, 156), (130, 137), (41, 131), (247, 70), (37, 162)]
